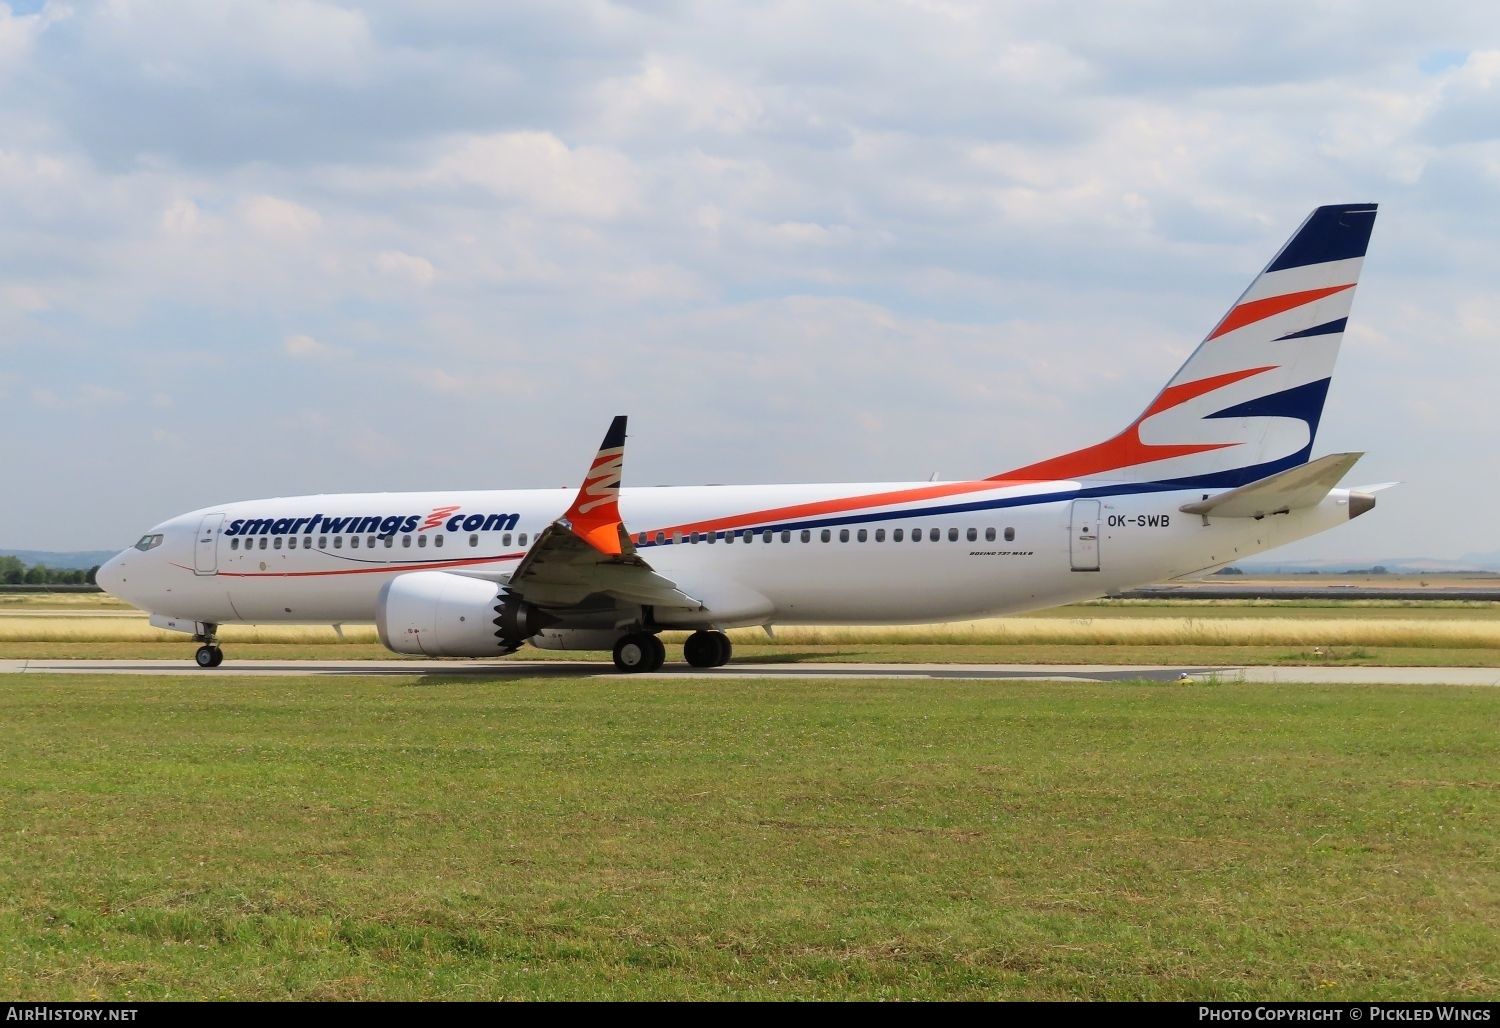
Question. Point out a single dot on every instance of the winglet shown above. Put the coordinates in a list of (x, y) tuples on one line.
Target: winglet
[(595, 514)]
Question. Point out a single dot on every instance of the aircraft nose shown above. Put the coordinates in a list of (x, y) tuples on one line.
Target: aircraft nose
[(111, 574)]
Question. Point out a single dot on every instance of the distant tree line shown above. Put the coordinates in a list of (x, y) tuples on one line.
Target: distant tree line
[(13, 572)]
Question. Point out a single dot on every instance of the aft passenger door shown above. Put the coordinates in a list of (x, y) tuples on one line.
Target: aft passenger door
[(1083, 546), (206, 549)]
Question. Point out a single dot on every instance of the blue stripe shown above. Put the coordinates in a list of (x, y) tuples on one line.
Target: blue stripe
[(1326, 329), (1335, 233), (1002, 503), (615, 437)]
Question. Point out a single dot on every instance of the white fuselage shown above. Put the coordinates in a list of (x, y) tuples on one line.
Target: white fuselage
[(887, 553)]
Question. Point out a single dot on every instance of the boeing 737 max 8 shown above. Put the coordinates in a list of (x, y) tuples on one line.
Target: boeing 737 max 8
[(1217, 468)]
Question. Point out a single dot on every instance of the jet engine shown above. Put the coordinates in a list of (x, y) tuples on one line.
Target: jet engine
[(438, 614)]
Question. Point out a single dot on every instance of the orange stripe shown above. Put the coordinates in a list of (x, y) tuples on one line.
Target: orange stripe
[(799, 511), (1259, 310)]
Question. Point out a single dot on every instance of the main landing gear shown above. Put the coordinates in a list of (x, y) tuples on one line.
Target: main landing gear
[(209, 654), (640, 651), (643, 651), (707, 649)]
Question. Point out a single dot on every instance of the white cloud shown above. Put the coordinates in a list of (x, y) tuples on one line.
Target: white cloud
[(404, 265), (540, 171), (305, 347), (274, 216), (825, 228), (27, 299), (83, 397)]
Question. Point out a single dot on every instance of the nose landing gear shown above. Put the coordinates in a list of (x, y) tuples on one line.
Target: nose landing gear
[(209, 654)]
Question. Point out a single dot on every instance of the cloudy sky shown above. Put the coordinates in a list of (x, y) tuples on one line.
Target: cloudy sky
[(283, 246)]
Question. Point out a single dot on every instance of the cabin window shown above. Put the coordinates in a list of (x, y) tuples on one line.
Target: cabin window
[(354, 542), (807, 535), (898, 534), (421, 540), (437, 540), (827, 535), (880, 535), (234, 544), (973, 535), (406, 541), (989, 535), (661, 537), (916, 535), (1010, 535), (322, 542), (711, 536), (338, 542), (291, 543), (370, 542), (863, 535), (935, 534), (473, 540), (786, 537), (276, 545), (765, 536), (505, 539), (843, 535), (523, 539), (640, 539), (390, 541)]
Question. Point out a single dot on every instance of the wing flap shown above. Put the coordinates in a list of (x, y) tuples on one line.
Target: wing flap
[(1294, 489)]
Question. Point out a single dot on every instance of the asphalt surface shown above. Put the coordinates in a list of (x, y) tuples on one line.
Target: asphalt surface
[(1315, 674)]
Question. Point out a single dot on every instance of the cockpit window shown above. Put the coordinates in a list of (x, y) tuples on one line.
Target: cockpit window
[(149, 542)]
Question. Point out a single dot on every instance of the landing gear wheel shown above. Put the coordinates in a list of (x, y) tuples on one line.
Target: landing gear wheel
[(640, 651), (209, 656), (707, 649)]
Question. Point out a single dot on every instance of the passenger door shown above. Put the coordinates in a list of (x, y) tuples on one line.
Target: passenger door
[(1083, 546), (206, 549)]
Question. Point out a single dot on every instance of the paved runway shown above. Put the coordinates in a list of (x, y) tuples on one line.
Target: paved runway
[(1321, 675)]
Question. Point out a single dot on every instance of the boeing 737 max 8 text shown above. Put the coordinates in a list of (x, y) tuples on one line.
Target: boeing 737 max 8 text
[(1217, 468)]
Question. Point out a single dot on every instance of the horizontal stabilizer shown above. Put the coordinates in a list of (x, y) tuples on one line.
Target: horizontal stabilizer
[(1302, 486)]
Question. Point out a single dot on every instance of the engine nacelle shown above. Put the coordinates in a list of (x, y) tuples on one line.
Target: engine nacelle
[(438, 614)]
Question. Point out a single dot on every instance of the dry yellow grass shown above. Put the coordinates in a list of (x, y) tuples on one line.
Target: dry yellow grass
[(135, 629), (1164, 631), (1061, 631)]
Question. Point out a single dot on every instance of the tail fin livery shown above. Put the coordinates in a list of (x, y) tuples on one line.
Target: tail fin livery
[(595, 513), (1247, 403)]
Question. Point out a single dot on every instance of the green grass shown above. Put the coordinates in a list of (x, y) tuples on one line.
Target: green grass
[(852, 652), (691, 838)]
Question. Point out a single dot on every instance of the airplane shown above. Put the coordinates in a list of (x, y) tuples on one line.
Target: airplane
[(1218, 467)]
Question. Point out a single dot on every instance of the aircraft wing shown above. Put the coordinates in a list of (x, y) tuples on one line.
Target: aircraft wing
[(1293, 489), (587, 552)]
